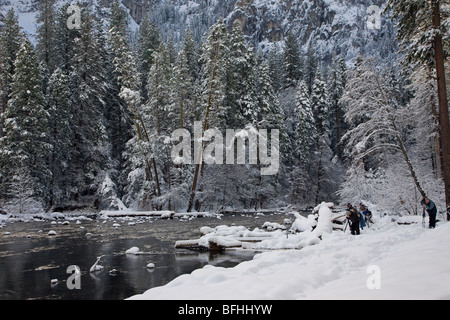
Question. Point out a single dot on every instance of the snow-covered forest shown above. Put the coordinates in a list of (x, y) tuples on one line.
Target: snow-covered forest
[(87, 115)]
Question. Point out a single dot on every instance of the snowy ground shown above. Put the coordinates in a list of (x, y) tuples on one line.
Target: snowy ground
[(387, 261)]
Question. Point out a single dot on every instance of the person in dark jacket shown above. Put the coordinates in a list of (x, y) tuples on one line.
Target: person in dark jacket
[(354, 219), (432, 211)]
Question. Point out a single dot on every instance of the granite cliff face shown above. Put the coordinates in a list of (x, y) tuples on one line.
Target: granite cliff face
[(332, 26)]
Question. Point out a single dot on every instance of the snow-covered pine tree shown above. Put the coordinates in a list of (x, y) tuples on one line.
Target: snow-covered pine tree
[(11, 38), (139, 175), (117, 117), (183, 105), (60, 136), (215, 60), (90, 157), (157, 112), (311, 66), (45, 35), (24, 145), (241, 81), (183, 90), (304, 139), (270, 115), (320, 106), (305, 129), (160, 115), (293, 64), (191, 51), (64, 40), (118, 19), (336, 84), (274, 61), (326, 170), (147, 44)]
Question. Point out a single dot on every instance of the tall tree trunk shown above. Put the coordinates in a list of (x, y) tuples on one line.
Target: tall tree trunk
[(407, 160), (437, 164), (2, 101), (319, 175), (444, 122), (205, 127)]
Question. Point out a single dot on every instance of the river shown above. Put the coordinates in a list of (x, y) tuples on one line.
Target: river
[(30, 258)]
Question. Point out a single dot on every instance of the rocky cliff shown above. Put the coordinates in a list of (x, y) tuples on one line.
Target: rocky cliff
[(332, 26)]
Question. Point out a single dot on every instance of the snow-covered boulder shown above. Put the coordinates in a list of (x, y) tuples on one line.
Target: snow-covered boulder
[(271, 226), (302, 224), (132, 250)]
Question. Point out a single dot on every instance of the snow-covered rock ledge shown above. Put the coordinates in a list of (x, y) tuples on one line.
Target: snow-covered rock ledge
[(414, 263)]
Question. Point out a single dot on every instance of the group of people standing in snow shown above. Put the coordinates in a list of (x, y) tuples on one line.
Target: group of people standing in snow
[(361, 218), (358, 219)]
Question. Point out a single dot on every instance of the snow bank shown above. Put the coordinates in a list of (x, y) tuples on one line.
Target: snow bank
[(414, 263)]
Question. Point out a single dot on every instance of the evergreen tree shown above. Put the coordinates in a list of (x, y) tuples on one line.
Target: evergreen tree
[(183, 91), (64, 40), (118, 19), (140, 173), (215, 60), (11, 38), (191, 52), (60, 136), (158, 111), (311, 66), (241, 81), (275, 64), (293, 66), (90, 155), (46, 35), (336, 85), (24, 146), (147, 44), (305, 129), (304, 139), (319, 105)]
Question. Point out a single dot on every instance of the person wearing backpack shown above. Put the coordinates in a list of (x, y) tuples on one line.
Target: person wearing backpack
[(354, 218), (432, 211)]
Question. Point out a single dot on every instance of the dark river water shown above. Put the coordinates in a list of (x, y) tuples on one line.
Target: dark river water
[(30, 258)]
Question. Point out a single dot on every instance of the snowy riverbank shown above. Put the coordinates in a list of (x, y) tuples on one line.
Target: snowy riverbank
[(387, 261)]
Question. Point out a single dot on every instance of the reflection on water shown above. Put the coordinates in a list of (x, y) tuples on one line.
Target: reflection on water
[(30, 259)]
